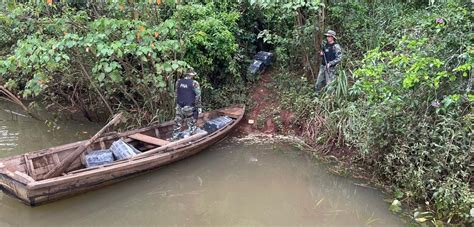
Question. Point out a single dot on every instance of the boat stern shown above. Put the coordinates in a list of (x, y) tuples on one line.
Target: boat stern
[(9, 185)]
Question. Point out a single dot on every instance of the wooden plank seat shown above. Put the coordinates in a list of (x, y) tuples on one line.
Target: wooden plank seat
[(148, 139)]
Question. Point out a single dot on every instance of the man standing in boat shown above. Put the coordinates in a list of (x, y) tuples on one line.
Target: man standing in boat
[(188, 103)]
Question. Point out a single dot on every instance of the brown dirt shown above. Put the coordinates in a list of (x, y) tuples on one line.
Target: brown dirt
[(259, 119), (261, 97), (264, 102)]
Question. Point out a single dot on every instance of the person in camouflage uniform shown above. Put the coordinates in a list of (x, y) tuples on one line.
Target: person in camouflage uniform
[(188, 103), (331, 55)]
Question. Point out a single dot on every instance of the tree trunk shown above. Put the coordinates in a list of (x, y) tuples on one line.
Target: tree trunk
[(322, 18)]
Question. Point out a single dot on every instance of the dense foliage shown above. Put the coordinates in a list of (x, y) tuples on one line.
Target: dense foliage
[(402, 100), (409, 110), (112, 58)]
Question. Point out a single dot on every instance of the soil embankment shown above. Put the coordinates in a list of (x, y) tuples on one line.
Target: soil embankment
[(265, 113)]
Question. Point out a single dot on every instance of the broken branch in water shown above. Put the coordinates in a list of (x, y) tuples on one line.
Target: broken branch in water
[(12, 98)]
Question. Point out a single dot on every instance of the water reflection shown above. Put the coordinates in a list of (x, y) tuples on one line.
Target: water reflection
[(7, 139), (20, 133)]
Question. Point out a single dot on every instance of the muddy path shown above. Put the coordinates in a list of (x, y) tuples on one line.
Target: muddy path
[(265, 113)]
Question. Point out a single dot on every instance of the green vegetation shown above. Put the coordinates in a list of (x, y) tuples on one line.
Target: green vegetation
[(407, 109), (118, 57), (402, 101)]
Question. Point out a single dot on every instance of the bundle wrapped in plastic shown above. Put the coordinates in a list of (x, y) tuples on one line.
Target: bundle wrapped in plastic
[(122, 150), (98, 158), (188, 132), (217, 123), (255, 67), (265, 57)]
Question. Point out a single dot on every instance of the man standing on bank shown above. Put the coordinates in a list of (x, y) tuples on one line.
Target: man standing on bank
[(331, 55), (188, 103)]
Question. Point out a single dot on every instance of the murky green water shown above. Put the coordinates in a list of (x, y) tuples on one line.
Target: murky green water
[(20, 133), (231, 183)]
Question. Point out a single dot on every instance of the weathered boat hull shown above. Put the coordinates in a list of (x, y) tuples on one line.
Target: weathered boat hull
[(36, 192)]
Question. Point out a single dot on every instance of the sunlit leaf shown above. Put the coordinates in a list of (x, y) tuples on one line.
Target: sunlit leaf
[(396, 206)]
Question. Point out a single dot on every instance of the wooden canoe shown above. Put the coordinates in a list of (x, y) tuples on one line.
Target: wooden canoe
[(22, 176)]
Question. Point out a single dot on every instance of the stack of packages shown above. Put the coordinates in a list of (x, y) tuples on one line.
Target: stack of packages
[(98, 158), (122, 150), (118, 151), (262, 60)]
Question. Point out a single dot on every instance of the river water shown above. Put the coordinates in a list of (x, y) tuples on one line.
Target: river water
[(231, 183)]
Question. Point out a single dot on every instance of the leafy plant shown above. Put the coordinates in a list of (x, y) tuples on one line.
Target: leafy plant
[(109, 59), (407, 106)]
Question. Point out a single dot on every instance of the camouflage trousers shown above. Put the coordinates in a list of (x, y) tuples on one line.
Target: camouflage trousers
[(325, 77), (185, 114)]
